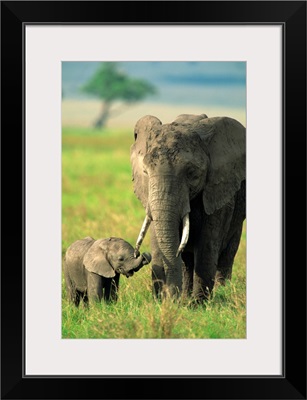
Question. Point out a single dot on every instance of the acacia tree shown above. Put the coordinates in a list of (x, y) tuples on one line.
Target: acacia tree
[(111, 84)]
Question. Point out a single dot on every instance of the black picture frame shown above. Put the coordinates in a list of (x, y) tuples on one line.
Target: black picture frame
[(14, 16)]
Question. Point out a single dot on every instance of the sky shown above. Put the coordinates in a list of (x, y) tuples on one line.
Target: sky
[(206, 84)]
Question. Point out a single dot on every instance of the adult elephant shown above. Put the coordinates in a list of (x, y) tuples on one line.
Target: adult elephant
[(190, 177)]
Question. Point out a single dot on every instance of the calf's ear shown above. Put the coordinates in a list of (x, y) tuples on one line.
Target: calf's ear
[(96, 260)]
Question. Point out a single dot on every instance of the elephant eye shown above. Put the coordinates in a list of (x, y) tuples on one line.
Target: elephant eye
[(194, 181), (120, 258), (192, 175)]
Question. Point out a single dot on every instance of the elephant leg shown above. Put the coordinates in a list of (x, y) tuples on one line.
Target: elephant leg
[(187, 269), (158, 272), (75, 298), (207, 251), (94, 287), (229, 251), (227, 257), (107, 288), (204, 275), (111, 288), (79, 295), (73, 295), (85, 299), (158, 279), (114, 288)]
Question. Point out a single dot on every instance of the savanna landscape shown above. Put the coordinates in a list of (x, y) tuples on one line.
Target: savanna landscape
[(98, 201)]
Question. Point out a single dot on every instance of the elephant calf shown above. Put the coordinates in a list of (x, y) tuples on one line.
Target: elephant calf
[(92, 267)]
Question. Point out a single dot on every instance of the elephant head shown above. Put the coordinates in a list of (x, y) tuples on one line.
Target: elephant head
[(106, 257), (194, 159)]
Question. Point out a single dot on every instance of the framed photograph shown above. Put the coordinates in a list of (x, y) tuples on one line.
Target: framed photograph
[(213, 64), (100, 200)]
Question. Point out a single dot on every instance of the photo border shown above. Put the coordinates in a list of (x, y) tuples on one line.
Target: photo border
[(292, 16)]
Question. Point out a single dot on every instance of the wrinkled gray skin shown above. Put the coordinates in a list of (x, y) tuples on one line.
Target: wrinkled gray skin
[(92, 268), (193, 168)]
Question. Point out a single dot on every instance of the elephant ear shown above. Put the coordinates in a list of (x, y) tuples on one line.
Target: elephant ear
[(96, 259), (225, 139), (146, 129)]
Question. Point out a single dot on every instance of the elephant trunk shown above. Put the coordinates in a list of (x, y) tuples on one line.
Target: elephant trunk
[(136, 264), (167, 209), (145, 226), (164, 255)]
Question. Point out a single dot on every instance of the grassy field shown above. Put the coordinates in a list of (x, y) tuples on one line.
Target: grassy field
[(98, 201)]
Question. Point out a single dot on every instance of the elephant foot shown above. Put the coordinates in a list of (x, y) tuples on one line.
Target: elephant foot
[(158, 280), (187, 274), (171, 292), (219, 278), (222, 275), (157, 288), (74, 297), (202, 289), (200, 297)]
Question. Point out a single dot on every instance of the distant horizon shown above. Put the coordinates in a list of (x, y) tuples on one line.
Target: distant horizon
[(82, 112), (205, 84)]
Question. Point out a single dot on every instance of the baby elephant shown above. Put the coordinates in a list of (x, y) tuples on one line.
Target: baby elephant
[(92, 267)]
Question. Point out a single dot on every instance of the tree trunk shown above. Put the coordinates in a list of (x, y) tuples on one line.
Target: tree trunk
[(103, 117)]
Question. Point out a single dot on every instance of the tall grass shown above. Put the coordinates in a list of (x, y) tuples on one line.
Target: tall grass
[(98, 201)]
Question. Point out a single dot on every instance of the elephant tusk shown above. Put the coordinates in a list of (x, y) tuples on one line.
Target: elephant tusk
[(142, 234), (185, 234)]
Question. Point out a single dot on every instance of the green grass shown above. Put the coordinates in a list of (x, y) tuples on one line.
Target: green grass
[(98, 201)]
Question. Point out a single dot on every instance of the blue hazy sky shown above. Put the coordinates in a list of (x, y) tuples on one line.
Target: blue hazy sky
[(220, 84)]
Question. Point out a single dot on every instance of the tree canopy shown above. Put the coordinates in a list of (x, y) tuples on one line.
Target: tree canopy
[(110, 84)]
